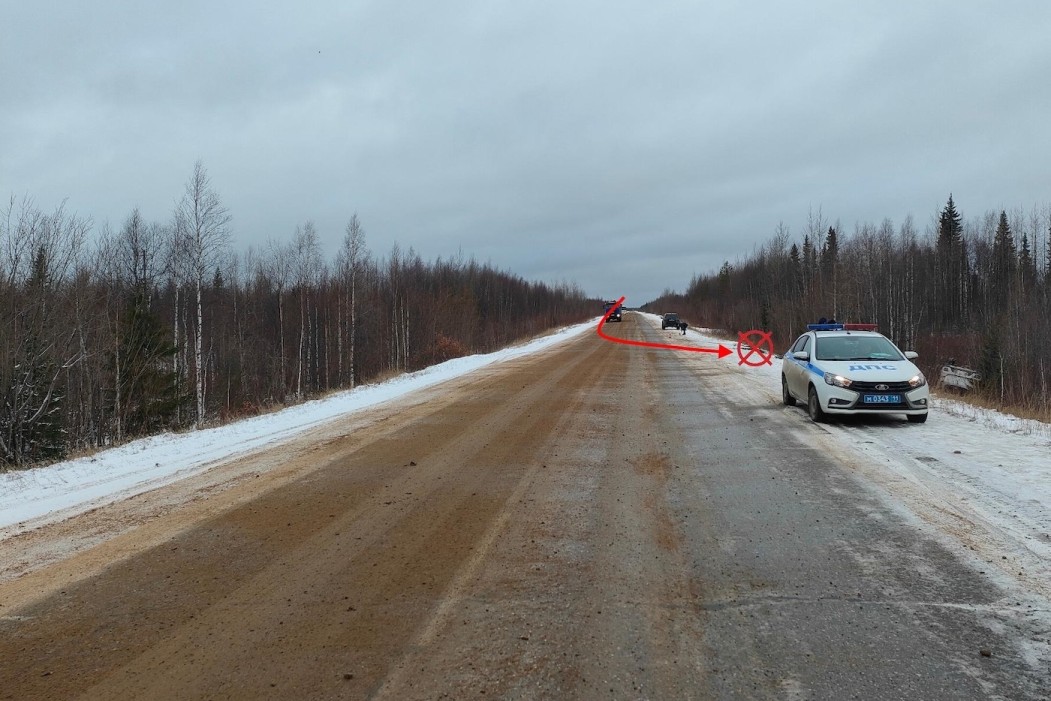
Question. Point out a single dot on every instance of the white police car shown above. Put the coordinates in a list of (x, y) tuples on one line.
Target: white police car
[(852, 369)]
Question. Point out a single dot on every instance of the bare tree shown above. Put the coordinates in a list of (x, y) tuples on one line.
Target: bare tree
[(350, 256), (86, 362), (202, 226), (307, 261), (37, 347), (277, 269)]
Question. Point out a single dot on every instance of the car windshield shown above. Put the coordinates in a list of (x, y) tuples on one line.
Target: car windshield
[(856, 348)]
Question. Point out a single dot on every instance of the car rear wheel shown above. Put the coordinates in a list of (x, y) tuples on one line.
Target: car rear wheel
[(813, 406), (916, 418), (786, 396)]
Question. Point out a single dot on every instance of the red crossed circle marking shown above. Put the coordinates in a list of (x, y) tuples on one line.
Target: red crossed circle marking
[(755, 347)]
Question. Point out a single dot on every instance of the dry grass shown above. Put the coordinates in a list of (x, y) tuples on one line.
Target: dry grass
[(1024, 420), (1031, 411)]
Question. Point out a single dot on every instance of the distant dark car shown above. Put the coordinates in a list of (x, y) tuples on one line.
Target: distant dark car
[(670, 321)]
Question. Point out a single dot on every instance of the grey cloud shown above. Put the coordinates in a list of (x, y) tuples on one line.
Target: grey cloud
[(624, 146)]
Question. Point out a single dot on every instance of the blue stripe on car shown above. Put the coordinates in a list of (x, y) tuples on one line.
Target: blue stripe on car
[(809, 366)]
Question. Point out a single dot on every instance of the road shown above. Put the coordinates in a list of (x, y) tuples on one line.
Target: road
[(593, 521)]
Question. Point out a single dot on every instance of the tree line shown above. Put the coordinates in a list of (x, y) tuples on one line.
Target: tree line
[(110, 335), (976, 291)]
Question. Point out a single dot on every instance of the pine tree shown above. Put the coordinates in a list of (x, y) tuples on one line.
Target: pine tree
[(991, 362), (831, 249), (1004, 262), (809, 255), (31, 403), (951, 268), (1026, 266), (796, 267), (1047, 263), (149, 387), (950, 226), (830, 270)]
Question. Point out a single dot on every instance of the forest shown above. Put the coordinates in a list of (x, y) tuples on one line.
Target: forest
[(113, 334), (975, 291)]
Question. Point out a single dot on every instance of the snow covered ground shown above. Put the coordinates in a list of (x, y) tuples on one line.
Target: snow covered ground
[(74, 486), (978, 477)]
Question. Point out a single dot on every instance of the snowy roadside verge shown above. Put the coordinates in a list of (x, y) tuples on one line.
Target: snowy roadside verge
[(78, 485), (996, 452), (980, 477)]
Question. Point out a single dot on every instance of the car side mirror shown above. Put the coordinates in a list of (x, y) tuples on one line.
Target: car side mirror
[(801, 355), (911, 355)]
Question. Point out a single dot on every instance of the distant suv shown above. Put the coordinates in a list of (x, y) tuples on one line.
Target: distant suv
[(670, 321)]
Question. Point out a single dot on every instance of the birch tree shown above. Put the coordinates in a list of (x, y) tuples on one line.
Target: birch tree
[(307, 261), (202, 226), (350, 256)]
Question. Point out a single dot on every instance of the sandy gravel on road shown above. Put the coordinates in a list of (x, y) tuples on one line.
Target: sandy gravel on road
[(327, 565), (588, 522)]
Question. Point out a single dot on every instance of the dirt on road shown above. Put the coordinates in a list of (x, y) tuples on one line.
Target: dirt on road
[(449, 546), (593, 521)]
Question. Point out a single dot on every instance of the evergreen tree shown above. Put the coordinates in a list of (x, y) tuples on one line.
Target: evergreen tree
[(796, 267), (809, 261), (951, 268), (1026, 266), (1047, 263), (149, 388), (31, 411), (831, 250), (830, 272), (31, 424), (725, 272), (1004, 262), (950, 226), (991, 362)]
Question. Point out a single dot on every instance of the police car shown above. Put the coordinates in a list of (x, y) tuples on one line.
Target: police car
[(852, 369)]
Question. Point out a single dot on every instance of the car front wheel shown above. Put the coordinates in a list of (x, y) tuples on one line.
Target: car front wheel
[(813, 406), (786, 396), (916, 418)]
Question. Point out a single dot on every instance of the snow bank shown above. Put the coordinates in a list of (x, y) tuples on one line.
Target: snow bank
[(77, 485)]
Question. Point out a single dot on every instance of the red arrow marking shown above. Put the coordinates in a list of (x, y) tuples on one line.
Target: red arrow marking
[(722, 351)]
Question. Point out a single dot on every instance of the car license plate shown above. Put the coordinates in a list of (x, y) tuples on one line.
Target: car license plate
[(881, 399)]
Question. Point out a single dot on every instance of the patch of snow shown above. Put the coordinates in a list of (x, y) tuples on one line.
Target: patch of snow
[(75, 486), (993, 419)]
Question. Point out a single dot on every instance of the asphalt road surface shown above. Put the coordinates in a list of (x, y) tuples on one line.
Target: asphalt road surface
[(592, 522)]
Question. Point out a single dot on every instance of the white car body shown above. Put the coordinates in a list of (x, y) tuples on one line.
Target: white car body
[(844, 371)]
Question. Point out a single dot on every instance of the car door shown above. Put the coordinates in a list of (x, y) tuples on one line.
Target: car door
[(792, 369)]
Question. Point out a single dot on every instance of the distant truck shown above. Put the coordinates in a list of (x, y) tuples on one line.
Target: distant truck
[(615, 314)]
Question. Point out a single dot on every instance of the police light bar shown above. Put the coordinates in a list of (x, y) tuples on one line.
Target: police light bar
[(859, 327), (824, 327)]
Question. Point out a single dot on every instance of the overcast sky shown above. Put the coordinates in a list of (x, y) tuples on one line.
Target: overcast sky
[(623, 146)]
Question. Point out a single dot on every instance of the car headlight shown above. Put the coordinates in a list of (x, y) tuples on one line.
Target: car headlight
[(837, 380), (917, 380)]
